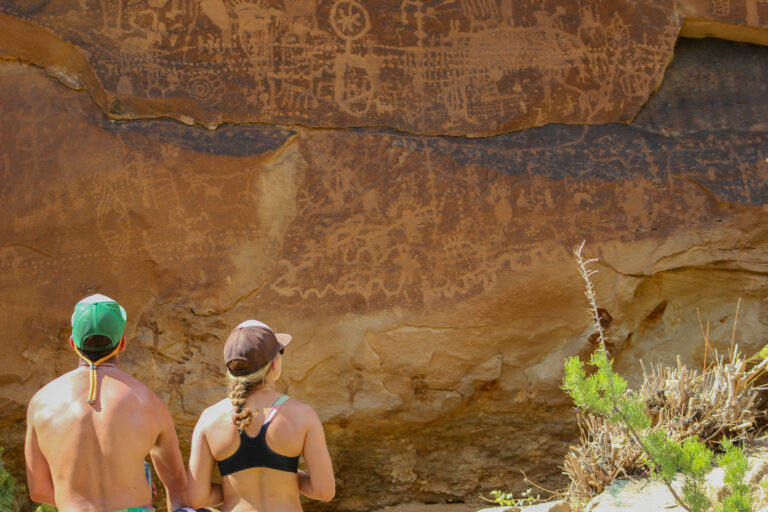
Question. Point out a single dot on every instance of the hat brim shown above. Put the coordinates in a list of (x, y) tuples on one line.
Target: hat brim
[(283, 339)]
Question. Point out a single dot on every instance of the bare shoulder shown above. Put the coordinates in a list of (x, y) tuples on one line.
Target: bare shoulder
[(140, 390), (215, 413), (134, 383), (300, 411), (51, 393)]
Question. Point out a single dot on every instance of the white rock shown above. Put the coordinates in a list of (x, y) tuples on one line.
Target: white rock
[(641, 495)]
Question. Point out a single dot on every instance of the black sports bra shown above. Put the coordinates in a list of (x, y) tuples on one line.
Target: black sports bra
[(253, 452)]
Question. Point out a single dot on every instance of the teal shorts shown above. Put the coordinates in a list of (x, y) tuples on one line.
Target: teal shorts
[(136, 509)]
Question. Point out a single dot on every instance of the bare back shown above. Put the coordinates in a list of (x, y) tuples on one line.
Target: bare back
[(259, 489), (95, 452)]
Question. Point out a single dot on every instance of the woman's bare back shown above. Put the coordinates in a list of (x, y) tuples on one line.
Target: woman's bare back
[(259, 488)]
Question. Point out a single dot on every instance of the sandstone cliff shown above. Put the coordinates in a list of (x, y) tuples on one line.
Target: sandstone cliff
[(317, 165)]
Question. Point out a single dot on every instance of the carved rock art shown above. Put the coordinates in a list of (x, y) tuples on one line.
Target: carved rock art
[(426, 279), (458, 68)]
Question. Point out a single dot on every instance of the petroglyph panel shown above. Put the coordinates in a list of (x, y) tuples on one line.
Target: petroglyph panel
[(365, 242), (474, 67), (484, 208), (355, 220)]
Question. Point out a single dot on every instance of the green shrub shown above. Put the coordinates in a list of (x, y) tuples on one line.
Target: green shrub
[(735, 466), (13, 495), (605, 393), (8, 487)]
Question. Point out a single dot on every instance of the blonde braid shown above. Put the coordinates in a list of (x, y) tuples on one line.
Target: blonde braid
[(239, 389), (238, 392)]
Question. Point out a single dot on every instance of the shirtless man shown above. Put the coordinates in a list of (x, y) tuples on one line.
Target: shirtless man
[(89, 431)]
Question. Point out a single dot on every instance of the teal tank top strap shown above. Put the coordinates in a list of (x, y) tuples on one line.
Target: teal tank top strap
[(281, 400)]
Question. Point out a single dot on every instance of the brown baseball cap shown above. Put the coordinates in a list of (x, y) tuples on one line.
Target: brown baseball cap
[(255, 343)]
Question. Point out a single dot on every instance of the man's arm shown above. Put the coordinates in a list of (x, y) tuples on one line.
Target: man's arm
[(318, 483), (202, 492), (39, 479), (167, 460)]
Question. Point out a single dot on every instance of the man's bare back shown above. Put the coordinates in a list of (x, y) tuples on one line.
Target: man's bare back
[(89, 457)]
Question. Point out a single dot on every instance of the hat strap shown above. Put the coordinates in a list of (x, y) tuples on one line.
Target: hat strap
[(94, 383)]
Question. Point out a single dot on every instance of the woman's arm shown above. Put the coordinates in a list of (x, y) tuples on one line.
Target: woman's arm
[(202, 492), (167, 459), (318, 483)]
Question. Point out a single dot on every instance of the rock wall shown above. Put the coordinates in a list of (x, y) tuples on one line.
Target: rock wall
[(323, 179)]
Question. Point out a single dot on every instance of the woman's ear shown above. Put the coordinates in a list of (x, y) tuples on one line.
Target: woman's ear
[(71, 342), (122, 344)]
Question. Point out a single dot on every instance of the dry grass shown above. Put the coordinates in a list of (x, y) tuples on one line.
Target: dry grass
[(719, 402), (604, 453)]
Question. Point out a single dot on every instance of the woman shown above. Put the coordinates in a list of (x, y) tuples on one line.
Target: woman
[(256, 435)]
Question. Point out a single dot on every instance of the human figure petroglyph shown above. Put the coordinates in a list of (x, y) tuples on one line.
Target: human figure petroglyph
[(143, 21), (112, 218), (498, 197), (353, 85)]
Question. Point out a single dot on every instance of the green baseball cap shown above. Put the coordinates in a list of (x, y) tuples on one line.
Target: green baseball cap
[(98, 314)]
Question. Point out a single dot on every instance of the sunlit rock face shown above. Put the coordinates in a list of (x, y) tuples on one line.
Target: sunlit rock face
[(428, 280)]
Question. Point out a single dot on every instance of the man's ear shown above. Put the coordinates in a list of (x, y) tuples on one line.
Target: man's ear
[(122, 344), (71, 342)]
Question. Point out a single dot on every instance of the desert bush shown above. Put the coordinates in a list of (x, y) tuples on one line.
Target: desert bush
[(605, 452), (13, 496), (670, 426), (719, 402), (8, 487)]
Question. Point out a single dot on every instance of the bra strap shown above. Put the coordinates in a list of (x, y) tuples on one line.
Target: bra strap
[(276, 407)]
